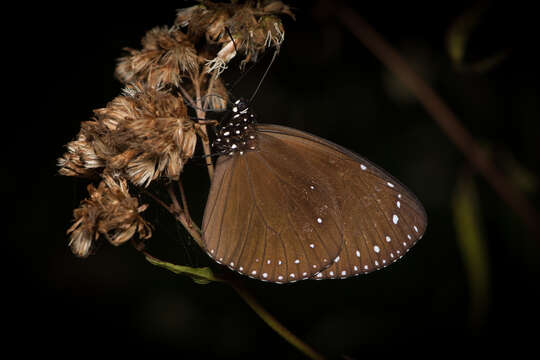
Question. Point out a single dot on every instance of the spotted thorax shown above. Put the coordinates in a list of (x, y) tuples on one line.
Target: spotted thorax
[(237, 133)]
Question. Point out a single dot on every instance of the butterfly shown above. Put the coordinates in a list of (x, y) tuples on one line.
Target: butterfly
[(285, 205)]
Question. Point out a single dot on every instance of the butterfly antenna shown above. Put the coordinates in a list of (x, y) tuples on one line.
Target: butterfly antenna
[(263, 77), (232, 39)]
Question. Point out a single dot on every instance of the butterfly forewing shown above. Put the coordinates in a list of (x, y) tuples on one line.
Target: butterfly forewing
[(271, 214), (381, 219)]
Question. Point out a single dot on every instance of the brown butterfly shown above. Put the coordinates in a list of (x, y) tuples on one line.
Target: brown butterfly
[(285, 205)]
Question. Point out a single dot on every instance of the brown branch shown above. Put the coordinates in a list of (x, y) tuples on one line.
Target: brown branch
[(196, 80), (184, 201), (186, 96), (159, 201), (442, 114), (179, 215), (176, 206)]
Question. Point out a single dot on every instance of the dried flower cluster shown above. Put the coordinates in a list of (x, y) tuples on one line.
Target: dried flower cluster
[(146, 134), (248, 29), (141, 135), (111, 212)]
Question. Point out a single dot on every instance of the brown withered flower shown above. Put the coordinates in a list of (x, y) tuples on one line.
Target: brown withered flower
[(109, 212), (166, 57), (143, 134), (248, 28), (152, 134), (80, 159)]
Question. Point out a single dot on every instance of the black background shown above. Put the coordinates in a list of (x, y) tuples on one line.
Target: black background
[(324, 82)]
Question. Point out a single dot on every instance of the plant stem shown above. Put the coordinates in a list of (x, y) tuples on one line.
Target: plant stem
[(184, 200), (270, 320), (176, 206), (273, 322), (202, 115), (442, 114)]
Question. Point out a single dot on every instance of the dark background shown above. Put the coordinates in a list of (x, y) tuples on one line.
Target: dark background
[(324, 82)]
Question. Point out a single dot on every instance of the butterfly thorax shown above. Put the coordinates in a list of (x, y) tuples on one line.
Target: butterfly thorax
[(237, 134)]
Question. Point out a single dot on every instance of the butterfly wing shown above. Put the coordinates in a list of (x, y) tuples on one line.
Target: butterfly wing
[(270, 214), (381, 219)]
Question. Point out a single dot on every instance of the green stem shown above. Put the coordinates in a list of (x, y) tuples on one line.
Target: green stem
[(205, 276), (273, 322)]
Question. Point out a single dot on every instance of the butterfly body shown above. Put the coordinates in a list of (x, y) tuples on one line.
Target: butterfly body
[(285, 205)]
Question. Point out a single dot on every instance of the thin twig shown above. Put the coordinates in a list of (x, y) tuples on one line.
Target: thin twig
[(184, 200), (202, 115), (159, 201), (442, 114), (186, 95), (172, 195), (179, 215), (265, 316), (273, 322), (270, 320), (210, 87)]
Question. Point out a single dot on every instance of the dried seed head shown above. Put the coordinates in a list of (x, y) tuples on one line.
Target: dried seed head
[(248, 28), (80, 159), (110, 212), (277, 8), (154, 137), (166, 58), (143, 134)]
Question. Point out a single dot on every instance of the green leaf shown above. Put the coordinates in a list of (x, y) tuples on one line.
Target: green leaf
[(202, 275)]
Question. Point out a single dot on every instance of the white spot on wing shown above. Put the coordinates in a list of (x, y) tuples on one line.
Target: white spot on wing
[(376, 249), (395, 219)]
